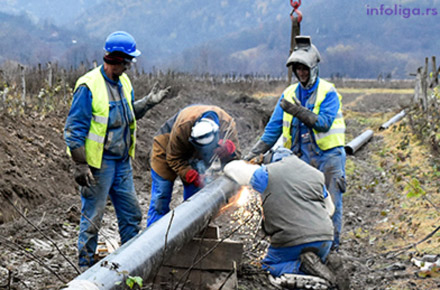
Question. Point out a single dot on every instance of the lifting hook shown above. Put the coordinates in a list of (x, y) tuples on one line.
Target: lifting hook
[(295, 5)]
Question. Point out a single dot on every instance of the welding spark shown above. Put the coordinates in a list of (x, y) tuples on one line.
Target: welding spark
[(243, 196), (239, 200)]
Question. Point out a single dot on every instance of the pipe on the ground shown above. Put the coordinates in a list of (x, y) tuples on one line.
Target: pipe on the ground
[(358, 142), (393, 120), (144, 254)]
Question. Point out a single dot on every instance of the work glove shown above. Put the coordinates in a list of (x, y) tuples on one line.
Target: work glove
[(259, 148), (153, 98), (240, 171), (192, 176), (226, 148), (303, 114), (83, 174)]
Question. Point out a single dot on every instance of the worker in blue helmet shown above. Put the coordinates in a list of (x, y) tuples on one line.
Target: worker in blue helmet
[(100, 136), (121, 41)]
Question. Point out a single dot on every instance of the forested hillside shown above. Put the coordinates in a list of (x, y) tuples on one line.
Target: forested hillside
[(356, 38)]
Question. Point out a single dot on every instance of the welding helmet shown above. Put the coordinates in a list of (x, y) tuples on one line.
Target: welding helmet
[(307, 54), (121, 41), (204, 137)]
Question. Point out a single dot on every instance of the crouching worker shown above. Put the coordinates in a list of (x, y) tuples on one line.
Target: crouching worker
[(297, 217), (185, 146)]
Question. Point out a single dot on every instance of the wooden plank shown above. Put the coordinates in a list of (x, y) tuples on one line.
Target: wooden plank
[(418, 87), (295, 31), (197, 279), (210, 232), (221, 258)]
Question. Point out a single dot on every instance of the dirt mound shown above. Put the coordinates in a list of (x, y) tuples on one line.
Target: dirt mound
[(34, 167), (37, 178)]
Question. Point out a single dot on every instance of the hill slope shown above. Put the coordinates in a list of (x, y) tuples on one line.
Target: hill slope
[(356, 39)]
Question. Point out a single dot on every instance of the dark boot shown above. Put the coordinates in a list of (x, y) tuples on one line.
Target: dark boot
[(311, 264), (335, 264)]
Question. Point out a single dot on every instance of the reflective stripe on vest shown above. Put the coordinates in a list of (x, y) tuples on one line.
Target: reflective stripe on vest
[(325, 140), (94, 143)]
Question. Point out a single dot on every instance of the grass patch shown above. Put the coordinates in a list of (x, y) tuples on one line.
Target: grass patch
[(374, 91), (413, 212)]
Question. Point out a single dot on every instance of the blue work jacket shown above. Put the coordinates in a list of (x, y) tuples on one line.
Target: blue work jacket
[(118, 138), (327, 114)]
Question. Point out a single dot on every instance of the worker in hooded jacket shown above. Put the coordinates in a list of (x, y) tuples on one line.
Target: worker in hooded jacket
[(308, 117), (186, 146), (100, 133), (297, 212)]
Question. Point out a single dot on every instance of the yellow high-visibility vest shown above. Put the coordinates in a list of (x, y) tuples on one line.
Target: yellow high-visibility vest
[(325, 140), (94, 143)]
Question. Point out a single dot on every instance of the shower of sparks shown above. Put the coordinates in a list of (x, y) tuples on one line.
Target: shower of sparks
[(243, 197), (244, 211), (239, 200)]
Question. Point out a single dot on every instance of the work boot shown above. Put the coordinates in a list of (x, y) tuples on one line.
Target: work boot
[(335, 264), (297, 281), (311, 264)]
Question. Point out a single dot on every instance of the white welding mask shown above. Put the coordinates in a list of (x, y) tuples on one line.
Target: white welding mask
[(204, 137)]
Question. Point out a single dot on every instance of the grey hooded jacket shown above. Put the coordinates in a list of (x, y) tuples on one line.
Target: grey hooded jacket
[(293, 204)]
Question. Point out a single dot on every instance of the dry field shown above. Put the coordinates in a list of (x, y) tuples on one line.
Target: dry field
[(384, 209)]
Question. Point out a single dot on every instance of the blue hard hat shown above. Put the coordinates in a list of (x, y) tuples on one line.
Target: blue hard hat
[(123, 42)]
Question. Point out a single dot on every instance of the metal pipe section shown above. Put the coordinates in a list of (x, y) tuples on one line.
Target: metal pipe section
[(145, 253), (358, 142), (393, 120)]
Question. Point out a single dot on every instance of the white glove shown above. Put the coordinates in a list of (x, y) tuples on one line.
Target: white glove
[(149, 101), (156, 96), (240, 171), (329, 206)]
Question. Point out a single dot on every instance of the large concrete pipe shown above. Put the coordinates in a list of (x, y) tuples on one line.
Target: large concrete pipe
[(358, 142), (143, 254), (393, 120)]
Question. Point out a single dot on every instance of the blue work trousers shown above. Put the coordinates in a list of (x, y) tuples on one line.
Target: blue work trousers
[(332, 164), (161, 192), (279, 261), (114, 179)]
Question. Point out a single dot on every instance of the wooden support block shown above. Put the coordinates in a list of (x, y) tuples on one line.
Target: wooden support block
[(221, 258), (218, 269), (196, 279), (210, 232)]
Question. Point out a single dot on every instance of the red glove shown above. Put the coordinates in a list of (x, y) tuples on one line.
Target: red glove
[(225, 149), (192, 176)]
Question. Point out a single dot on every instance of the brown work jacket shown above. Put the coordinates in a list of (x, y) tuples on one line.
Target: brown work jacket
[(172, 150)]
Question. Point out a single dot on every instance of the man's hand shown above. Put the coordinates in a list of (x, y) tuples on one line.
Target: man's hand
[(149, 101), (290, 108), (156, 95), (83, 175), (259, 148), (226, 148), (240, 171), (303, 114), (192, 176), (257, 160)]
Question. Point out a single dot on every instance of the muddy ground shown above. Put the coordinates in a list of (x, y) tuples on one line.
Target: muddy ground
[(40, 202)]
